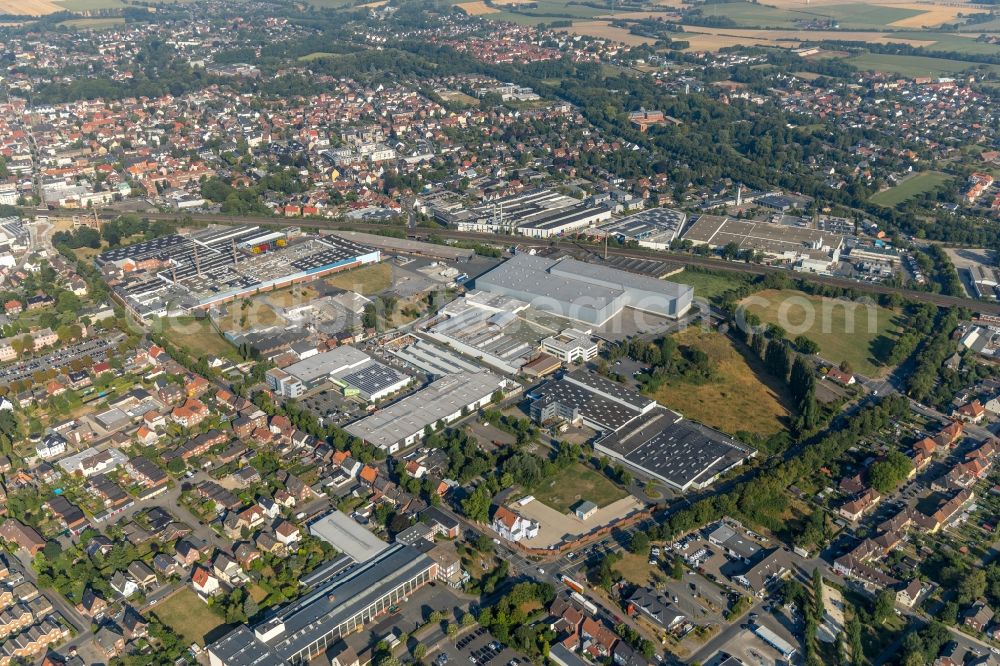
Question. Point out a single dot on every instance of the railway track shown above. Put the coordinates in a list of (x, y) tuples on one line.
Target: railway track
[(580, 249)]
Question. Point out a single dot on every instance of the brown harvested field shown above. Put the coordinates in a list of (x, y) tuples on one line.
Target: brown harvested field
[(933, 16), (604, 30), (711, 39), (477, 8), (753, 401), (29, 7)]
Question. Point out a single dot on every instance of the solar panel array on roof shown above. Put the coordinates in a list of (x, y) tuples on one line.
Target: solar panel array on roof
[(372, 378), (597, 411), (680, 452)]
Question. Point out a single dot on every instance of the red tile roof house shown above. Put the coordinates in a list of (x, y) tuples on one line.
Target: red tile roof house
[(973, 412), (840, 377), (204, 582)]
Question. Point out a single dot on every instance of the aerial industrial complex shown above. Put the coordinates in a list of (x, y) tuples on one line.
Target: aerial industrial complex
[(639, 432), (538, 213), (403, 423), (781, 241), (584, 292), (351, 370), (654, 228), (185, 272), (343, 604)]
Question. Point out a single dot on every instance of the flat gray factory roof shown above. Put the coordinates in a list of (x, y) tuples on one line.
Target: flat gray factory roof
[(319, 612), (680, 452), (605, 414), (372, 377), (717, 231), (570, 281), (440, 399), (338, 359), (608, 389), (346, 535), (647, 223), (530, 275)]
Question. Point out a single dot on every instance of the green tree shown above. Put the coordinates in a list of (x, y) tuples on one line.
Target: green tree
[(639, 544), (477, 505), (972, 586), (885, 605)]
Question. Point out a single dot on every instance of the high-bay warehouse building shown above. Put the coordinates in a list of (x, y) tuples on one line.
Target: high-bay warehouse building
[(654, 228), (194, 271), (538, 213), (637, 431), (402, 423), (342, 604), (351, 370), (585, 292)]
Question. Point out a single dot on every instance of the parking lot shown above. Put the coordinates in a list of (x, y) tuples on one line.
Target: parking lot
[(96, 349), (479, 647), (330, 406)]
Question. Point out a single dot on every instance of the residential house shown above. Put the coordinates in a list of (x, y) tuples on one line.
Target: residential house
[(51, 446), (860, 505), (204, 582), (190, 414), (110, 640), (972, 412), (978, 616), (656, 607), (25, 537), (909, 595), (142, 575), (123, 584), (512, 526), (287, 533), (91, 603)]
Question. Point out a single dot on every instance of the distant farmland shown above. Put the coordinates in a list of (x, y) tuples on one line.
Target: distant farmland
[(914, 66)]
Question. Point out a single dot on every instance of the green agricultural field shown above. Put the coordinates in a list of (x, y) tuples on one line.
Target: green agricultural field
[(188, 615), (93, 24), (331, 4), (544, 11), (576, 482), (316, 55), (915, 66), (988, 26), (855, 16), (945, 41), (520, 19), (911, 187), (706, 285), (862, 16), (844, 331), (751, 15)]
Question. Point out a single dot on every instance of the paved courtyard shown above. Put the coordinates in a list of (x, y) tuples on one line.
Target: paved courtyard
[(555, 526)]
